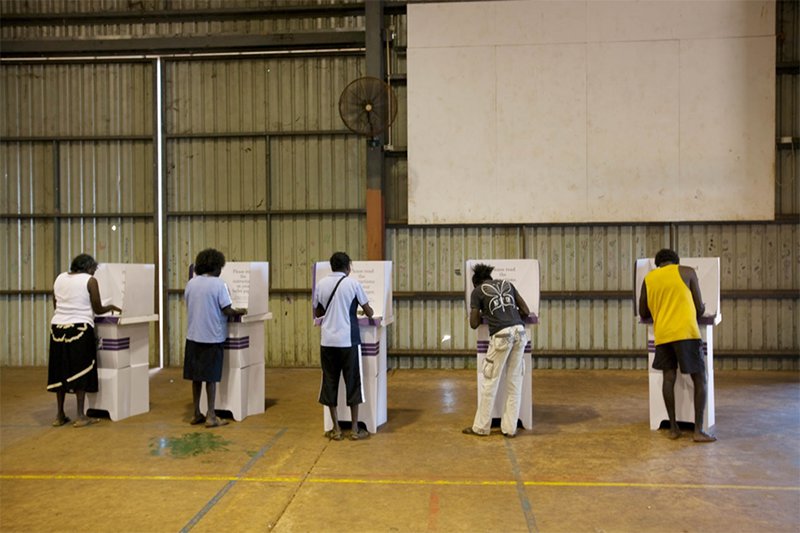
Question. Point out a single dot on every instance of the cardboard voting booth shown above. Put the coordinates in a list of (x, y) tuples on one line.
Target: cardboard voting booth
[(524, 274), (123, 361), (376, 278), (707, 269), (241, 390)]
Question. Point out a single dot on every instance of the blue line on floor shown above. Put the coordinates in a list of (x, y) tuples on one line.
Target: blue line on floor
[(224, 490), (527, 509)]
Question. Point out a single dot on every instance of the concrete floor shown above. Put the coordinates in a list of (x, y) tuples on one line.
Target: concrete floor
[(591, 463)]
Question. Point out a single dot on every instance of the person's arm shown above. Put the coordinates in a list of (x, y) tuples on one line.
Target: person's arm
[(644, 310), (94, 297), (524, 312), (368, 312), (474, 318), (694, 287), (233, 311)]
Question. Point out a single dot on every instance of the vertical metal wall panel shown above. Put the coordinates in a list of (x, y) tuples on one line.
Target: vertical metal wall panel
[(432, 259), (77, 99), (26, 174), (297, 242), (318, 172), (257, 95), (396, 189), (53, 101), (217, 175), (106, 177), (26, 330), (200, 27), (399, 127), (787, 184), (292, 340), (752, 256), (239, 238), (574, 258)]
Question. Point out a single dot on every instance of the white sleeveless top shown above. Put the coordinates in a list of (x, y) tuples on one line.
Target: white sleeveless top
[(73, 305)]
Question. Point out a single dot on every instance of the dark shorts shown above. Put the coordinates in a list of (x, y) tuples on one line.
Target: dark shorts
[(336, 362), (202, 361), (73, 358), (688, 353)]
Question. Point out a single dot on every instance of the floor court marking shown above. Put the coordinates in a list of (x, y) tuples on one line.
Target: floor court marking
[(420, 482), (524, 501), (224, 490)]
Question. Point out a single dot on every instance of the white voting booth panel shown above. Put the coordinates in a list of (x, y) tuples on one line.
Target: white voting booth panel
[(707, 269), (524, 274), (241, 390), (124, 340), (376, 278)]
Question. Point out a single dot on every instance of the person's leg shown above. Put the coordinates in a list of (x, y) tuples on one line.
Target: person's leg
[(351, 372), (515, 374), (668, 391), (492, 368), (329, 388), (700, 397), (197, 389), (80, 397), (61, 416), (211, 397)]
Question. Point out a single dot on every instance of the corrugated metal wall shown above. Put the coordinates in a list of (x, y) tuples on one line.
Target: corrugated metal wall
[(77, 176), (257, 163), (262, 138)]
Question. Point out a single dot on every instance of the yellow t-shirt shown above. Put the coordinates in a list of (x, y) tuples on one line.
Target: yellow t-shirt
[(671, 304)]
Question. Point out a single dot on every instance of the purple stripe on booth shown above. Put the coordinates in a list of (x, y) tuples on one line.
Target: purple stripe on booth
[(106, 319), (114, 345), (370, 348), (236, 343)]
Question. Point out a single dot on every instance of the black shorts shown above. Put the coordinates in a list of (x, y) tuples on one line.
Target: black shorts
[(336, 362), (202, 361), (689, 353)]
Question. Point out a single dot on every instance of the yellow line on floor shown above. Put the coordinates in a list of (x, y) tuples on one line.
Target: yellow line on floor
[(427, 482)]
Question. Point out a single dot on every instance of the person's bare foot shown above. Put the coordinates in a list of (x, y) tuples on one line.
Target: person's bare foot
[(702, 436), (216, 422), (674, 433)]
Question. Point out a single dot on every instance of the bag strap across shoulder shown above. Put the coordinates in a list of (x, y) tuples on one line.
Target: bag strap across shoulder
[(334, 292)]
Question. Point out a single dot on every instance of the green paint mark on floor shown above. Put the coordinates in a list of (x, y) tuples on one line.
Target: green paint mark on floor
[(188, 445)]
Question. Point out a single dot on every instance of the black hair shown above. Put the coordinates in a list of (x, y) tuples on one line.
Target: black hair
[(209, 261), (340, 261), (83, 263), (667, 256), (481, 273)]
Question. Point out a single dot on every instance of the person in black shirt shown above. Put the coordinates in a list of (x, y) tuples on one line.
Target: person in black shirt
[(504, 309)]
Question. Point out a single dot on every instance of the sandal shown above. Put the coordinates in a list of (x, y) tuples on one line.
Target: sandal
[(334, 434), (359, 434), (197, 420), (58, 422), (217, 423), (82, 423), (470, 431)]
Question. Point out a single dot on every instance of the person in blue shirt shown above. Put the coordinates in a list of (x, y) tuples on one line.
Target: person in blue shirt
[(208, 305), (336, 299)]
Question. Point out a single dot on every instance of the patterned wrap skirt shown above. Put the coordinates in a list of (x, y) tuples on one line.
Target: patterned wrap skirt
[(73, 358)]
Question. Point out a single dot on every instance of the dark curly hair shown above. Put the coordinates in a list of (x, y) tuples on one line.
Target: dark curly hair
[(209, 261), (667, 256), (83, 263), (340, 261), (481, 273)]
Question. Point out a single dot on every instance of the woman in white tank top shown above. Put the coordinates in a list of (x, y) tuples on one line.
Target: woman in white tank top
[(72, 365)]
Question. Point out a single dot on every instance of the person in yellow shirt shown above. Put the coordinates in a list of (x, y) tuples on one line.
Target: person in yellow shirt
[(670, 295)]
